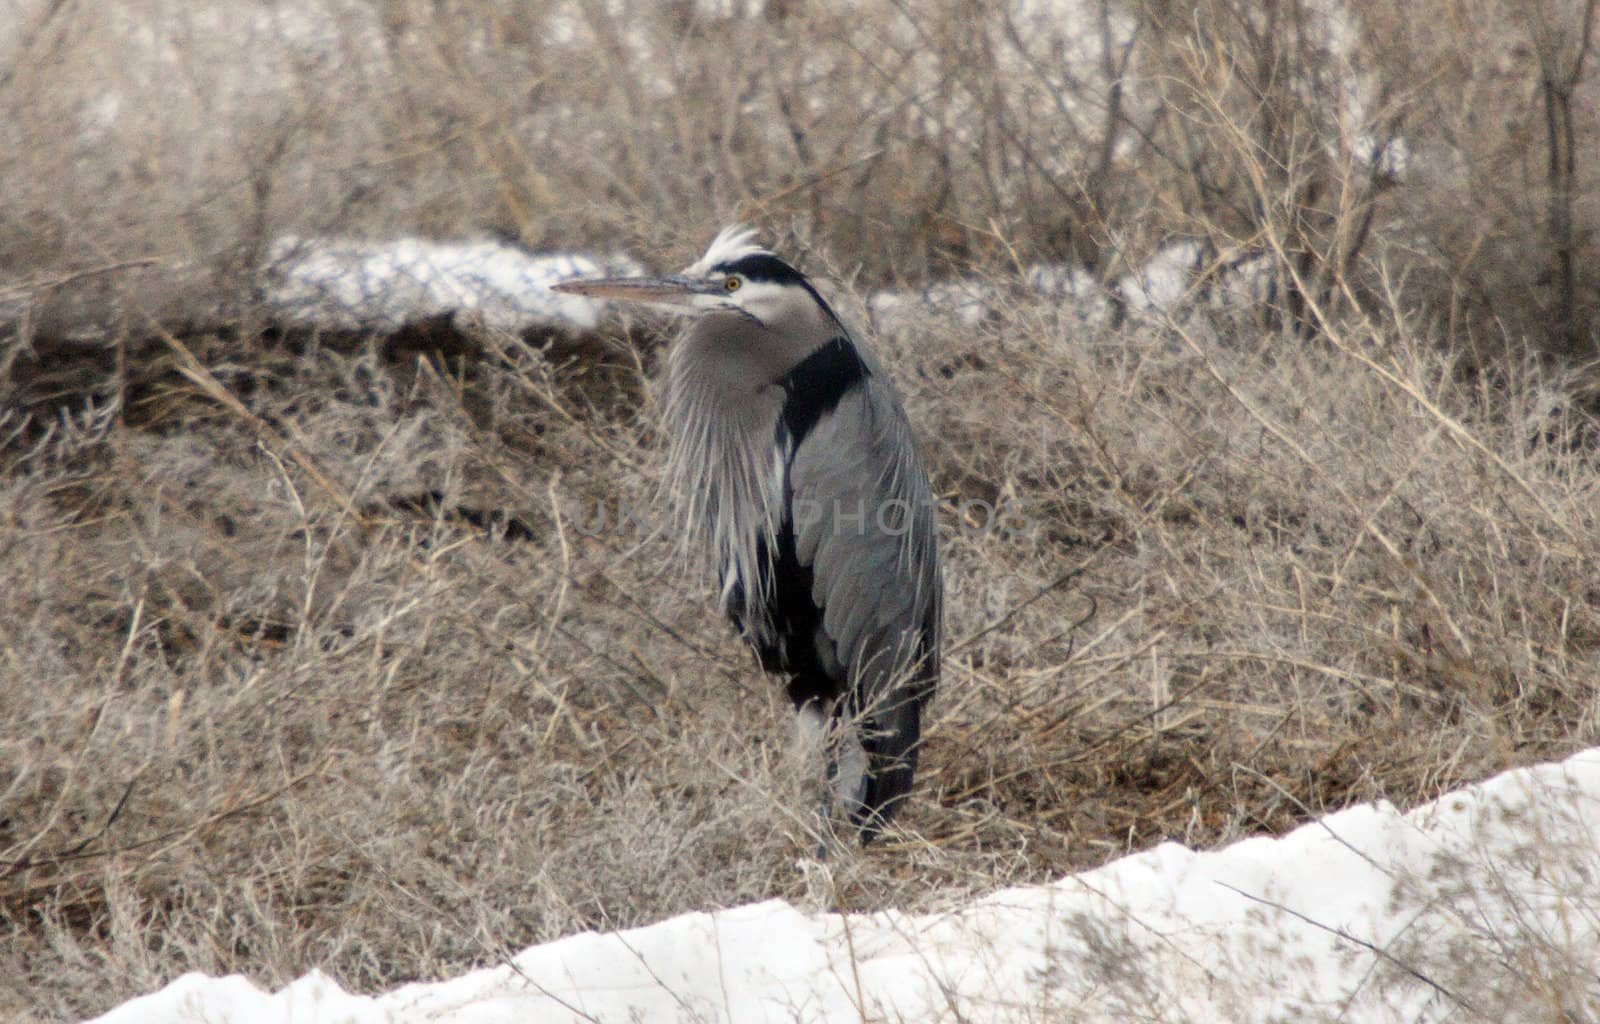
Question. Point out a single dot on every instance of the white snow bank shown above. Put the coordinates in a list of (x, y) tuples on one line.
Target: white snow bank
[(971, 301), (336, 284), (1367, 915), (1174, 280), (348, 285)]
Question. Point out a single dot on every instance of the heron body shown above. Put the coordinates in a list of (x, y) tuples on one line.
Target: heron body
[(791, 455)]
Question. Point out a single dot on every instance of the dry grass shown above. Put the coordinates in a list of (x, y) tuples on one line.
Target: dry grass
[(306, 660), (278, 707)]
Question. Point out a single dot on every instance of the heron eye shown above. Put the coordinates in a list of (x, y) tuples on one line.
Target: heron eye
[(732, 284)]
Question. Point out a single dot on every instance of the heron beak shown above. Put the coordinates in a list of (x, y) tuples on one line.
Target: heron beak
[(654, 291)]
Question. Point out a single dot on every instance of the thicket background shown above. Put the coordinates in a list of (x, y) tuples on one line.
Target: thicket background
[(304, 662)]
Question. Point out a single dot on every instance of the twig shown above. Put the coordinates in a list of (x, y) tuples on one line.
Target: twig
[(1371, 947), (1031, 599), (79, 275), (196, 372)]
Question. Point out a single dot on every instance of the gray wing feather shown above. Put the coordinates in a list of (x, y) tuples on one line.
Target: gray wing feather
[(876, 578)]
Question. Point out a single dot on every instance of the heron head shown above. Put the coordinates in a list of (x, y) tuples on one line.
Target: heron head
[(735, 276)]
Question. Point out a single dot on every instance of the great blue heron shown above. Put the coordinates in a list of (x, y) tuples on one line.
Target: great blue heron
[(790, 454)]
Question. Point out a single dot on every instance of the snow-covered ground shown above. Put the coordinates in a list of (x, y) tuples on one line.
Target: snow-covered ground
[(1471, 907), (1164, 286), (340, 284), (350, 285)]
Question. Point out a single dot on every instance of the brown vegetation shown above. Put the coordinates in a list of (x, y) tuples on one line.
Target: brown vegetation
[(309, 654)]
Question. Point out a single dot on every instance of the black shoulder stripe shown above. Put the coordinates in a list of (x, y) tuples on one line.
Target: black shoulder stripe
[(816, 385)]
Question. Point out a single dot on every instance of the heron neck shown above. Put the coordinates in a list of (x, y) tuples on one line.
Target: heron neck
[(720, 468)]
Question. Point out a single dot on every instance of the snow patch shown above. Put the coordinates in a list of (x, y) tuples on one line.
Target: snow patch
[(1172, 280), (1360, 916), (335, 284)]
